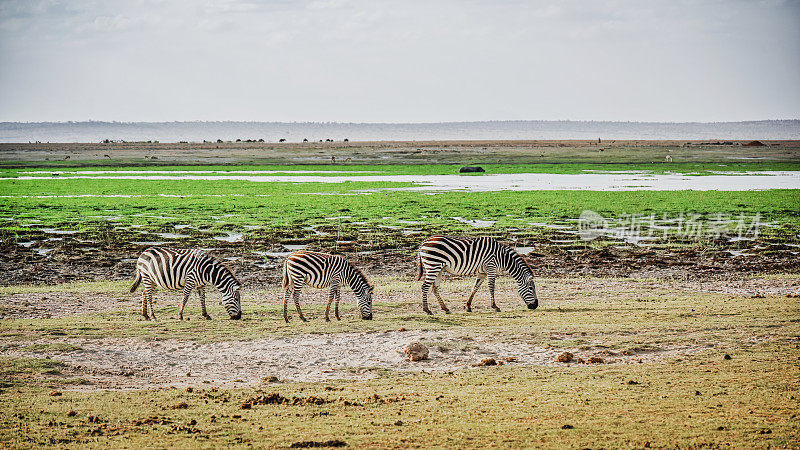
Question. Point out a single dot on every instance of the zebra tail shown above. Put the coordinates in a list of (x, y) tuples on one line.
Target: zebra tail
[(136, 281), (285, 278), (419, 267)]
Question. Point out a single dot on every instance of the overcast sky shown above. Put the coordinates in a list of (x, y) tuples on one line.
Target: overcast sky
[(399, 61)]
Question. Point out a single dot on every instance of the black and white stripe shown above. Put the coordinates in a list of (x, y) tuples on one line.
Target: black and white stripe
[(482, 256), (321, 270), (187, 270)]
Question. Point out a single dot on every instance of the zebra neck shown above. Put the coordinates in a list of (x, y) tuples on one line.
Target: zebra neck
[(354, 278), (512, 262)]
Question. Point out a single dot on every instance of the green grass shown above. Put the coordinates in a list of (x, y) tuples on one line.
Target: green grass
[(283, 210)]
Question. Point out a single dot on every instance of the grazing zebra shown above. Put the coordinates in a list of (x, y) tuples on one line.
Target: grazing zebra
[(187, 270), (482, 256), (321, 270)]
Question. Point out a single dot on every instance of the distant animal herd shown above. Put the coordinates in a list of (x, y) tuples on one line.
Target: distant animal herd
[(190, 270)]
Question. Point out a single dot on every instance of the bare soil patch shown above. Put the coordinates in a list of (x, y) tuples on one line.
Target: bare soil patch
[(134, 363)]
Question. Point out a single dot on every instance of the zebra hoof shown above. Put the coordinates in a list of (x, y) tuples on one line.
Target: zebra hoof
[(468, 309), (304, 319), (447, 311), (428, 312), (207, 317), (327, 319)]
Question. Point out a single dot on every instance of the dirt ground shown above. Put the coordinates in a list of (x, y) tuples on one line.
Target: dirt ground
[(136, 362), (393, 152)]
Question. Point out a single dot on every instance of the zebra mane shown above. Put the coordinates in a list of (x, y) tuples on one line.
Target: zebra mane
[(515, 253), (359, 273), (217, 263)]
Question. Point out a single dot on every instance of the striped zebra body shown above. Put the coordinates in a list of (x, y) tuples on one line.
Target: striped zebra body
[(186, 270), (482, 256), (321, 271)]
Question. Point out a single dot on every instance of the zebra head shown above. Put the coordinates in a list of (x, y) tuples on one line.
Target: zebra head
[(365, 302), (232, 301), (527, 290)]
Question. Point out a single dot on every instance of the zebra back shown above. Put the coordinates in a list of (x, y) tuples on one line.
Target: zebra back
[(320, 269), (171, 268)]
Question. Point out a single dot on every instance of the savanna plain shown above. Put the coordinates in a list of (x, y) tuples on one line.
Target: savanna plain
[(667, 275)]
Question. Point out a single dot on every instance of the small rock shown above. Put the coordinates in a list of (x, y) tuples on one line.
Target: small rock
[(596, 360), (181, 405), (567, 427), (55, 394), (71, 413), (189, 389), (401, 329), (471, 169), (631, 382), (726, 357), (398, 423), (697, 393), (511, 359), (416, 351), (271, 379), (565, 357)]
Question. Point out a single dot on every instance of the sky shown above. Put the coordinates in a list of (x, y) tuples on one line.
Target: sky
[(399, 61)]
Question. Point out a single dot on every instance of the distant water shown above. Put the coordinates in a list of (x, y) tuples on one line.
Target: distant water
[(314, 131)]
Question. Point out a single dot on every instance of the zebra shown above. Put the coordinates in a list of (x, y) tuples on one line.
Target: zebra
[(187, 270), (322, 270), (481, 256)]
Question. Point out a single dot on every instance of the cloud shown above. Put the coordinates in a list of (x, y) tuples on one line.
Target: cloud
[(399, 60)]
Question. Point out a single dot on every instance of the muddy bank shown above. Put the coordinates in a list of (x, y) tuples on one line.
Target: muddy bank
[(23, 265)]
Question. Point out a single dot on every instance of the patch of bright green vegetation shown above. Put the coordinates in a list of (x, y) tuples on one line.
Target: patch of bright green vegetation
[(283, 210)]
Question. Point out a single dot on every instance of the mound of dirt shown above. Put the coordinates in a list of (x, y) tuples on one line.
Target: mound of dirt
[(565, 357), (754, 144), (487, 362), (416, 351)]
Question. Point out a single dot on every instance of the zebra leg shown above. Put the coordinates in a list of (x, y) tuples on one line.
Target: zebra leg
[(201, 291), (439, 297), (478, 283), (338, 297), (148, 300), (490, 281), (187, 291), (144, 304), (296, 296), (430, 279), (331, 295), (285, 301)]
